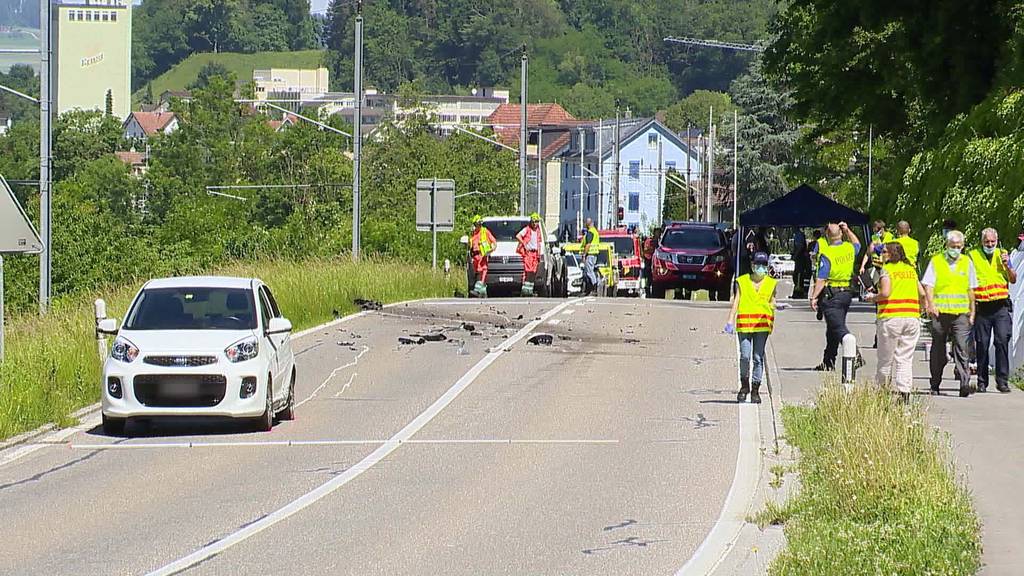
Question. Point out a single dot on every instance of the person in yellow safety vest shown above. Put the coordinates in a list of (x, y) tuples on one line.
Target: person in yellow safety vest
[(899, 319), (832, 294), (879, 238), (752, 318), (949, 284), (994, 318), (481, 244), (529, 247), (910, 246), (589, 254)]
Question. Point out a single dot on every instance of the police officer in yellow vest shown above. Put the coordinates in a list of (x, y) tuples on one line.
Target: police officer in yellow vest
[(832, 294), (899, 319), (949, 284), (994, 318), (591, 239), (752, 318), (911, 248)]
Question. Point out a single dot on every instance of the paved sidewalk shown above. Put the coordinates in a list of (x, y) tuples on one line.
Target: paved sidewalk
[(986, 430)]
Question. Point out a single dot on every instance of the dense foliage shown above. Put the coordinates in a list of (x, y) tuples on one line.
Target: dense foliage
[(111, 227)]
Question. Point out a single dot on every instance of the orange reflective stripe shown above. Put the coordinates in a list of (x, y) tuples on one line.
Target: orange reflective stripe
[(892, 301)]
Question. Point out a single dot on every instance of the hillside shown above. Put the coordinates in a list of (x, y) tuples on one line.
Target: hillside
[(184, 73)]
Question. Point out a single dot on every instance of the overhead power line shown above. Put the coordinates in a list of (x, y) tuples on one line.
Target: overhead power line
[(715, 44)]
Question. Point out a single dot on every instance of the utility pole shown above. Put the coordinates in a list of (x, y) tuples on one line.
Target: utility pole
[(735, 166), (871, 143), (523, 99), (600, 174), (579, 217), (540, 168), (45, 141), (689, 151), (615, 182), (357, 137), (661, 183), (711, 162)]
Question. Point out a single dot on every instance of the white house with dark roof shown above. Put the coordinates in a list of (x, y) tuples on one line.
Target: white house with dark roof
[(648, 153)]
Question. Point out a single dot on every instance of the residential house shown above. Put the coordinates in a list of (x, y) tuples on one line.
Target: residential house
[(5, 123), (284, 122), (649, 155), (549, 129), (141, 125), (138, 161)]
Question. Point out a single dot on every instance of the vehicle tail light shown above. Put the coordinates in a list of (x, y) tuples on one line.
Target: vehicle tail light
[(114, 388), (248, 387)]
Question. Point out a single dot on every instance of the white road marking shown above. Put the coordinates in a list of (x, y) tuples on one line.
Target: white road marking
[(363, 465), (555, 322), (347, 384), (333, 374), (302, 443)]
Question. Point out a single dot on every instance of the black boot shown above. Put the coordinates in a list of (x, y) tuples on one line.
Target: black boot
[(755, 396), (741, 396)]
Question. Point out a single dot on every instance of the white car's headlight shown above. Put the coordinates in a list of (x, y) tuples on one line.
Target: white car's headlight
[(245, 349), (123, 350)]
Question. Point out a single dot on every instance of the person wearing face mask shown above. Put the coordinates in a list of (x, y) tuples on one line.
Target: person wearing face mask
[(899, 313), (994, 317), (949, 284), (752, 318)]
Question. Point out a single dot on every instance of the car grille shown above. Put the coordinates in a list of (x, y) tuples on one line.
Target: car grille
[(690, 259), (180, 390), (505, 264), (180, 361)]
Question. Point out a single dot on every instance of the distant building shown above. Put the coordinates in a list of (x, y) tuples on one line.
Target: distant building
[(92, 42), (5, 123), (138, 161), (141, 125), (290, 83), (649, 154), (286, 121)]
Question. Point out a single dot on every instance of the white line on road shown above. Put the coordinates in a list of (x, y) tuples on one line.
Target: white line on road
[(363, 465), (316, 443), (333, 374), (351, 379)]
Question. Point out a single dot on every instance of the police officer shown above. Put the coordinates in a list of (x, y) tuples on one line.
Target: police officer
[(589, 251), (994, 312), (911, 248), (949, 284), (752, 319), (832, 294)]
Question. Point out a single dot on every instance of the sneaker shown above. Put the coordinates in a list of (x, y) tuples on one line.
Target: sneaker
[(1003, 388), (935, 391), (755, 397), (965, 392), (824, 368)]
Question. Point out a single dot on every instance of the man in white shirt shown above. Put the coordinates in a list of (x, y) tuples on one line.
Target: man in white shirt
[(949, 284)]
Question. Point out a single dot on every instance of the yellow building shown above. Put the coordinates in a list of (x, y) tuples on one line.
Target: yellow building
[(291, 82), (92, 41)]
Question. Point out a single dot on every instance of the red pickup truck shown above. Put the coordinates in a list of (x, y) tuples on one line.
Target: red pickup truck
[(628, 260)]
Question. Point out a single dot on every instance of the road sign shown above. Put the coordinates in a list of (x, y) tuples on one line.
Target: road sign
[(443, 213), (17, 234)]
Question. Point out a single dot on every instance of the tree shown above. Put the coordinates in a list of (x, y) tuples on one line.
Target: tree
[(693, 110), (208, 71), (108, 105)]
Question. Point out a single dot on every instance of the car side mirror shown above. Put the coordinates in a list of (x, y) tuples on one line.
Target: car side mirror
[(278, 326), (464, 240), (107, 327)]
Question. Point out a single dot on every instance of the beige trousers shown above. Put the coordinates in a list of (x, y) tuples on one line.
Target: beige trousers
[(897, 340)]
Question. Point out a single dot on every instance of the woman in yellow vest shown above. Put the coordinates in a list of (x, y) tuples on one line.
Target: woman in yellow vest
[(899, 319), (752, 318)]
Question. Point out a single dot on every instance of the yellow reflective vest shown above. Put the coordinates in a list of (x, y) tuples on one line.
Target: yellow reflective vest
[(755, 312), (841, 260), (993, 278), (904, 298), (911, 248), (952, 285)]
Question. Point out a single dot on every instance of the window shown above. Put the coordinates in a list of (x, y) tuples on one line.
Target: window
[(265, 312), (652, 141), (634, 201), (270, 300), (634, 169), (113, 16), (105, 16), (71, 15), (565, 198), (590, 140), (193, 309)]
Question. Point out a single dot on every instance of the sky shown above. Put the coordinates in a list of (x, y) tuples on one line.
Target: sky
[(318, 5)]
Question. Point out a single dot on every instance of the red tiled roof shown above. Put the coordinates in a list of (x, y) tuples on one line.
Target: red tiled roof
[(554, 146), (153, 122), (505, 120), (131, 158)]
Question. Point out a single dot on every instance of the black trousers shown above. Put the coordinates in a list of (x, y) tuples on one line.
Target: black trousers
[(994, 320), (834, 311)]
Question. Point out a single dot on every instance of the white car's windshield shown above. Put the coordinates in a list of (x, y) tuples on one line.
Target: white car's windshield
[(193, 309), (505, 230)]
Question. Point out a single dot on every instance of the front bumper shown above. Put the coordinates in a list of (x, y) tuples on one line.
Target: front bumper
[(691, 278), (213, 390)]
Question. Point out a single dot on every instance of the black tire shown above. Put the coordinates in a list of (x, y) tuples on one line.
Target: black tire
[(265, 422), (114, 426), (657, 291), (288, 412)]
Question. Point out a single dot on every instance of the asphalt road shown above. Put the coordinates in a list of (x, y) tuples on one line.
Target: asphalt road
[(609, 452)]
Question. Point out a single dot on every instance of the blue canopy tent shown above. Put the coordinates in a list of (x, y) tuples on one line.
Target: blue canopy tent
[(803, 207)]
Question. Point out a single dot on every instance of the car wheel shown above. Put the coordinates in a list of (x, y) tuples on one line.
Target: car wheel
[(724, 295), (657, 291), (113, 426), (265, 421), (288, 412)]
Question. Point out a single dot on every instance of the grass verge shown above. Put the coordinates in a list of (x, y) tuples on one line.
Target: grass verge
[(878, 493), (52, 367)]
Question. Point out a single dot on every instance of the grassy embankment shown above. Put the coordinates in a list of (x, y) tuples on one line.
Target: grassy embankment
[(52, 367), (185, 72), (878, 492)]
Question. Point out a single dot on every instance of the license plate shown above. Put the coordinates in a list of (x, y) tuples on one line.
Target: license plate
[(506, 279), (629, 284), (688, 276)]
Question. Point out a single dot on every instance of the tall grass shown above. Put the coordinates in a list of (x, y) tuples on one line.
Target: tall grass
[(878, 493), (52, 366)]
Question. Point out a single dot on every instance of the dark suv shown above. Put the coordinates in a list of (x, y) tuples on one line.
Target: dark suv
[(692, 256)]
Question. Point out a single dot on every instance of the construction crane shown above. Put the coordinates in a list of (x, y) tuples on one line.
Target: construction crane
[(715, 44)]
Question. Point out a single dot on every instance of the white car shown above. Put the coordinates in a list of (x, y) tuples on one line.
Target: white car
[(782, 264), (200, 346), (573, 274)]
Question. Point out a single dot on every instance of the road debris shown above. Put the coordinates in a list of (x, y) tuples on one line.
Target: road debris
[(541, 340), (404, 340), (468, 327), (432, 337), (368, 305), (344, 343)]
